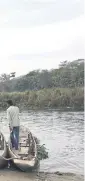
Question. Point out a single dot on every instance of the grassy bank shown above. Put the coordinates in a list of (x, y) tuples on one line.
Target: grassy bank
[(46, 98)]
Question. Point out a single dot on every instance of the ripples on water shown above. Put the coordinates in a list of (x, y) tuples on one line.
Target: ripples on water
[(63, 134)]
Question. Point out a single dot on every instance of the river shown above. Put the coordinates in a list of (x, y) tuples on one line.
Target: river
[(61, 132)]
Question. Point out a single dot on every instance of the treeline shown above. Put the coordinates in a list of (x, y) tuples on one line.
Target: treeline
[(68, 75)]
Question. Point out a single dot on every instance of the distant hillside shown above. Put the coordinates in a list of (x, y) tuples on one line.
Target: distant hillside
[(68, 75)]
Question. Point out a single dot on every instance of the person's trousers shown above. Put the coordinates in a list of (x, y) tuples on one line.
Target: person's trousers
[(15, 137)]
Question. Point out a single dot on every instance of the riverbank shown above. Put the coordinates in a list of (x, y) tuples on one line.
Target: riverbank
[(20, 176), (59, 98)]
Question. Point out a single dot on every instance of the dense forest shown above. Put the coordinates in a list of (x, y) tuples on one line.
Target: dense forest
[(68, 75), (61, 87)]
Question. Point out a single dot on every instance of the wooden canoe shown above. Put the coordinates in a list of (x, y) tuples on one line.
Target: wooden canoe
[(25, 158), (3, 151)]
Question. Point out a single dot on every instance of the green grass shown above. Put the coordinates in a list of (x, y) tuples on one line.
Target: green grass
[(50, 98)]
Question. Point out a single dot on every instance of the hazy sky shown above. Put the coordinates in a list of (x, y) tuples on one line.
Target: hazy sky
[(40, 33)]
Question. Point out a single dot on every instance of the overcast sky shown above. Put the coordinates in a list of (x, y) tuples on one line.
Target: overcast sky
[(38, 34)]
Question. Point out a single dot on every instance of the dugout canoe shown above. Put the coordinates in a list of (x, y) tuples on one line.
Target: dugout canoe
[(25, 158)]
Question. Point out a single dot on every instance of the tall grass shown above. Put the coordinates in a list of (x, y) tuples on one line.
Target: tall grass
[(51, 98)]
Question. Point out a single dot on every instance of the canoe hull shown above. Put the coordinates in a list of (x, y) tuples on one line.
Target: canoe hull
[(3, 162), (3, 153), (24, 165)]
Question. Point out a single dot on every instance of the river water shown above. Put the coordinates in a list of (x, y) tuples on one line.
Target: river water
[(61, 132)]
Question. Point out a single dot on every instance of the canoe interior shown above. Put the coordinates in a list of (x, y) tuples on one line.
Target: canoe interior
[(27, 151)]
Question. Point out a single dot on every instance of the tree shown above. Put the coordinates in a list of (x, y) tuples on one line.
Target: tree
[(4, 77), (12, 74)]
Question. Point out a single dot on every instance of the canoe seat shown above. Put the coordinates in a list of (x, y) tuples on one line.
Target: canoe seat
[(22, 144)]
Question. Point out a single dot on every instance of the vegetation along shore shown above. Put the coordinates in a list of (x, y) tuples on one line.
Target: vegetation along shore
[(58, 88)]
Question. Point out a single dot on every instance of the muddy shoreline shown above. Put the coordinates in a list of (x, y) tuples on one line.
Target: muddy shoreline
[(9, 175)]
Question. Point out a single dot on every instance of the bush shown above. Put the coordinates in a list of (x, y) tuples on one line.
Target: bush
[(53, 98)]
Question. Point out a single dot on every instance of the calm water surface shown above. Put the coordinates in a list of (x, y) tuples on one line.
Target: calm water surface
[(61, 132)]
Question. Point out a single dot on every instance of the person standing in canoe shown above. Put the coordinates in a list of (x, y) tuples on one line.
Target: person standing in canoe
[(14, 123)]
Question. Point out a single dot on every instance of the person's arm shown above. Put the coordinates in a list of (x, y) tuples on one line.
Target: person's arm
[(9, 120)]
